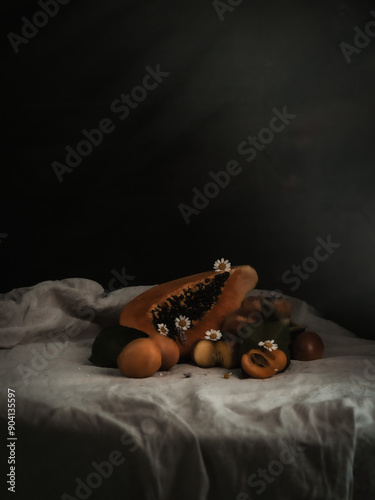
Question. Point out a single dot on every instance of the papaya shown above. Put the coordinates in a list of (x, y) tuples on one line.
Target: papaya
[(186, 308)]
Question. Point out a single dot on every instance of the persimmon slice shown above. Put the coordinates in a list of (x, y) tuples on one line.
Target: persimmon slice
[(261, 363)]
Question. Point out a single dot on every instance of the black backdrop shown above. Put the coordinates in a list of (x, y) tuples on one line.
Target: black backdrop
[(219, 73)]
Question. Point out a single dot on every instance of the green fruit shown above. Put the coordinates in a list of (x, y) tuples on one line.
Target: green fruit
[(110, 342)]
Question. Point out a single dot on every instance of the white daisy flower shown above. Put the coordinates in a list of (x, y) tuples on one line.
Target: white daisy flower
[(213, 335), (269, 345), (222, 265), (162, 328), (182, 322)]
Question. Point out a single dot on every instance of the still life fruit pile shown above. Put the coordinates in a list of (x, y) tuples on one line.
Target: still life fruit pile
[(208, 319)]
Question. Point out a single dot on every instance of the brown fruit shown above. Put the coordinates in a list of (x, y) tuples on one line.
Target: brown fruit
[(207, 354), (170, 353), (267, 306), (236, 321), (261, 363), (140, 358), (205, 299), (307, 346)]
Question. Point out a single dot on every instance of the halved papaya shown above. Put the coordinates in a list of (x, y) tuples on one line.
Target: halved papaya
[(202, 300)]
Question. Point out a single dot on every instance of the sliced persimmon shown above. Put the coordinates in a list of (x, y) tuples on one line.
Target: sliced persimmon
[(261, 363)]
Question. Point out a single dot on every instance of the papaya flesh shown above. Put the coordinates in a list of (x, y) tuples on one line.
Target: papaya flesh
[(204, 298)]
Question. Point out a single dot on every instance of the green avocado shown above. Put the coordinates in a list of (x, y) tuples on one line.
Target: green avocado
[(110, 342)]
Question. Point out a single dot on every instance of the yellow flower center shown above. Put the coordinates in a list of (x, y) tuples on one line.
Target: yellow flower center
[(182, 322), (222, 266), (268, 344), (213, 335)]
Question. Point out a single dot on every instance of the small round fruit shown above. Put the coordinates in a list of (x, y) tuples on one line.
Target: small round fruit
[(261, 363), (204, 353), (207, 354), (307, 347), (110, 342), (140, 358), (237, 322), (268, 305), (170, 353)]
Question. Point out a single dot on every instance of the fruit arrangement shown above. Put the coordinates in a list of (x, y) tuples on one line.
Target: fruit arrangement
[(210, 320), (186, 308)]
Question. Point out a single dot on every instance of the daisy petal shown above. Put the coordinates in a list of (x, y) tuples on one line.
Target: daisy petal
[(221, 265), (213, 335)]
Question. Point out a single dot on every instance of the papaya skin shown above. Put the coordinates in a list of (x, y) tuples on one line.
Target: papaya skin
[(137, 313)]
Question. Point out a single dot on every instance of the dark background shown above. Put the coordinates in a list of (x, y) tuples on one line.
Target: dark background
[(118, 211)]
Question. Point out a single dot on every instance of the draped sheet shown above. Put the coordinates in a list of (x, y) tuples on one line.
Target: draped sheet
[(189, 433)]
